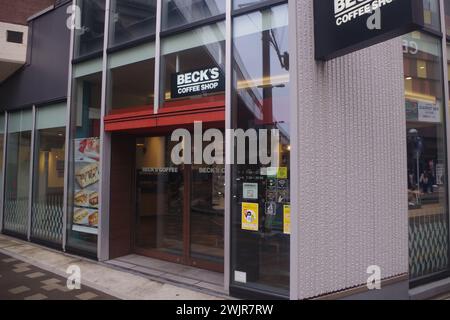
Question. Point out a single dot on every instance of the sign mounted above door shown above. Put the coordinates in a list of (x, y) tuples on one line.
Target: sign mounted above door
[(345, 26)]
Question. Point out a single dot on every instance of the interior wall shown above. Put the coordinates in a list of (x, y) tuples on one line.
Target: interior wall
[(351, 174)]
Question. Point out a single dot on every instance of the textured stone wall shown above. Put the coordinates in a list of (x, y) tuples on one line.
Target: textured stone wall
[(352, 192)]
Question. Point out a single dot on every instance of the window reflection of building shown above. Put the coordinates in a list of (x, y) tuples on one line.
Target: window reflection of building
[(261, 81), (176, 13), (426, 151), (131, 20), (89, 37)]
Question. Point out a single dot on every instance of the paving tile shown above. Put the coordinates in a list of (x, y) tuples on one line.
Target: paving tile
[(19, 290), (51, 281), (21, 265), (87, 296), (21, 270), (35, 275), (38, 296)]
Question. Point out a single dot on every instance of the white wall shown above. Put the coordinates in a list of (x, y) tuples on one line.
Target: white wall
[(351, 177), (12, 55)]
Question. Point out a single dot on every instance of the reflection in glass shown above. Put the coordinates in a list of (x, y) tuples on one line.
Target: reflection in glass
[(177, 13), (242, 4), (431, 14), (89, 38), (48, 181), (427, 162), (131, 20), (261, 101), (17, 184), (447, 17), (199, 49), (84, 167)]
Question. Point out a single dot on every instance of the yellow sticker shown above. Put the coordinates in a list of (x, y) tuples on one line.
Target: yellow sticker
[(287, 219), (282, 173), (250, 216)]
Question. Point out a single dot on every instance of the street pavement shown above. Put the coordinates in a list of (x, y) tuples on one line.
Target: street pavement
[(22, 281)]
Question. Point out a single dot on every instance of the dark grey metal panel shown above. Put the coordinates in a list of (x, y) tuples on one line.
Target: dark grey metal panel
[(44, 78)]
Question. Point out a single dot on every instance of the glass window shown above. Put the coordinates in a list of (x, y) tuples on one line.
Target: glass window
[(432, 14), (17, 184), (84, 166), (89, 38), (426, 150), (2, 145), (261, 206), (447, 17), (176, 13), (242, 4), (137, 66), (48, 181), (131, 20), (199, 55)]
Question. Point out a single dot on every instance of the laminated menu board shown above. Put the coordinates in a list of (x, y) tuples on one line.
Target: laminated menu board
[(86, 191)]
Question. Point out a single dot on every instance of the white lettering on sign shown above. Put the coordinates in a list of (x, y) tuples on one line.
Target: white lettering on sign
[(197, 82), (348, 10)]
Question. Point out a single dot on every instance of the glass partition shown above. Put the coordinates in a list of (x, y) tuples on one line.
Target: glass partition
[(89, 38), (427, 160), (136, 66), (48, 173), (176, 13), (261, 189), (193, 64), (17, 183), (131, 20), (84, 161)]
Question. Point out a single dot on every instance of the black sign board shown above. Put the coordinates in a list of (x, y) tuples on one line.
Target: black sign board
[(344, 26), (197, 82)]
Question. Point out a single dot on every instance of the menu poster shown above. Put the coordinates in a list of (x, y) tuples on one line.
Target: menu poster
[(87, 177)]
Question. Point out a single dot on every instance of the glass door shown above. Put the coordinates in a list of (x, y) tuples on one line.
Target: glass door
[(179, 209), (206, 216), (160, 201)]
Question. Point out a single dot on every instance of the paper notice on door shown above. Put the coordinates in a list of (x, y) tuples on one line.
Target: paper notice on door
[(287, 219), (250, 216)]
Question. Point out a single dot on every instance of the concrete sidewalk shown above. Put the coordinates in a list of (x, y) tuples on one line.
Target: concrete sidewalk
[(111, 281)]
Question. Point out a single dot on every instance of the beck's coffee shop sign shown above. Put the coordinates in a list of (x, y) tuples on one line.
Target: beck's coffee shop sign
[(197, 82), (344, 26)]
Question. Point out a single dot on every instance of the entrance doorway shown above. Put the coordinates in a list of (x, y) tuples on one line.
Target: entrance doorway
[(179, 208)]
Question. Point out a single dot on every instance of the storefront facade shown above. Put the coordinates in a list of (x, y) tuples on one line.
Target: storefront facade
[(205, 133)]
